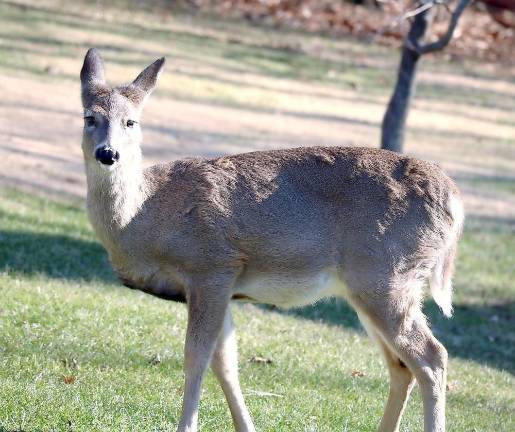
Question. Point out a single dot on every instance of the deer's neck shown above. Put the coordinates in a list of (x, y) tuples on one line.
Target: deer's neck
[(114, 197)]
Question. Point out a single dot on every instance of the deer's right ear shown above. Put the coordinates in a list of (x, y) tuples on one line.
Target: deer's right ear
[(92, 74)]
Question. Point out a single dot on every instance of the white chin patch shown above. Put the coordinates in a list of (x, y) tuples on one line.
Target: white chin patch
[(107, 168)]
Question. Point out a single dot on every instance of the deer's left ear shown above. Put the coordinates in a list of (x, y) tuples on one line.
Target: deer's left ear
[(147, 79)]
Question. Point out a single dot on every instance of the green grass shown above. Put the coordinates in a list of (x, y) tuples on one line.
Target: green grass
[(77, 350), (64, 317)]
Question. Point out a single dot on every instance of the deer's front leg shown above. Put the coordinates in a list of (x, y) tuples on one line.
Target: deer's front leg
[(225, 367), (207, 306)]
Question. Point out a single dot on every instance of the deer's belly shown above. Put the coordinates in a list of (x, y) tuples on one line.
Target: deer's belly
[(152, 280), (290, 290)]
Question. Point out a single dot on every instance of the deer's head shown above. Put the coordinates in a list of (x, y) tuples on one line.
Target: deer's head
[(112, 133)]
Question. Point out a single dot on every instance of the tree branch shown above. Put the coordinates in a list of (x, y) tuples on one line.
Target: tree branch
[(441, 43), (423, 7)]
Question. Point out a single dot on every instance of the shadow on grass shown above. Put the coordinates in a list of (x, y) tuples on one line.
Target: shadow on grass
[(330, 311), (53, 255), (480, 333), (483, 334)]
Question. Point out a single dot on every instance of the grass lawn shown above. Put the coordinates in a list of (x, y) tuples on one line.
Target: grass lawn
[(78, 352)]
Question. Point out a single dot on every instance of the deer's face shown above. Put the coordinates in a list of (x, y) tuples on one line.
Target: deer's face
[(112, 133)]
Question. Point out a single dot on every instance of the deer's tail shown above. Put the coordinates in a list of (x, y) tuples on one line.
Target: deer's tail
[(441, 278)]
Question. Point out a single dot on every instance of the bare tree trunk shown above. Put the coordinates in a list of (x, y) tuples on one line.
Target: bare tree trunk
[(394, 120)]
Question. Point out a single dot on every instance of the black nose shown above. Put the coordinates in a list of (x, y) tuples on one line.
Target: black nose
[(107, 155)]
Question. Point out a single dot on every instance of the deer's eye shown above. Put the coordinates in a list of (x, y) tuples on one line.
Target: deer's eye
[(131, 123), (89, 121)]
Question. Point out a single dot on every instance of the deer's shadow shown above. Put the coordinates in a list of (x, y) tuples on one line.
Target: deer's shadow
[(482, 333), (54, 255)]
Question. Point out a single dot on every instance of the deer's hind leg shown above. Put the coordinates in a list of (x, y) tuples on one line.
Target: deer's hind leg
[(404, 336), (401, 382)]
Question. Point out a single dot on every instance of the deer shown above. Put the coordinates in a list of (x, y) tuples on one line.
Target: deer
[(284, 227)]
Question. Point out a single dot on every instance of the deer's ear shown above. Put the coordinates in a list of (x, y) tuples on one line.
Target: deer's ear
[(147, 80), (92, 74)]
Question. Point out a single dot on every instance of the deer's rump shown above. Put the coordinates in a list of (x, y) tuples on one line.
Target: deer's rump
[(318, 202)]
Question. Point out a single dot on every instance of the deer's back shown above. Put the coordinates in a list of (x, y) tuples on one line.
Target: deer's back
[(296, 208)]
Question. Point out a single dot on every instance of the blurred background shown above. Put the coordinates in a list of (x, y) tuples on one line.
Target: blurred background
[(243, 75), (249, 75)]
